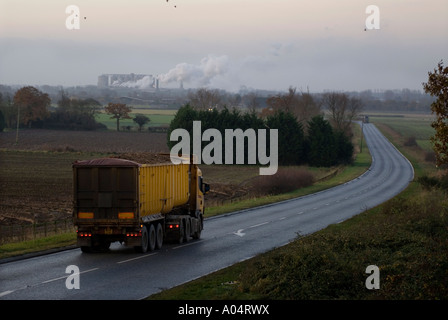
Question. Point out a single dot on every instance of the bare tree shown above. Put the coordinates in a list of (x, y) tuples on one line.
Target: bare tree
[(343, 110), (250, 101), (204, 99), (303, 106)]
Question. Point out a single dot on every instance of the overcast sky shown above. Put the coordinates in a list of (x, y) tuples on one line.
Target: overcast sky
[(265, 44)]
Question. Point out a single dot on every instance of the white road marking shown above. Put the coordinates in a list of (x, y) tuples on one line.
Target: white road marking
[(240, 233), (63, 277), (4, 293), (136, 258), (258, 225), (187, 244)]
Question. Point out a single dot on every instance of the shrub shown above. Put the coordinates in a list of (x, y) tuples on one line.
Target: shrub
[(410, 142), (430, 156), (285, 180)]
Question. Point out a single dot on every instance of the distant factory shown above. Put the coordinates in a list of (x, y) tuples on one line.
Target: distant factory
[(131, 80)]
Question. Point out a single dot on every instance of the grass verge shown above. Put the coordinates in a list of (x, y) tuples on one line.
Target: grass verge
[(406, 238), (41, 244)]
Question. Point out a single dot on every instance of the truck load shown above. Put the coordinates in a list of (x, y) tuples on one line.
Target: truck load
[(140, 200)]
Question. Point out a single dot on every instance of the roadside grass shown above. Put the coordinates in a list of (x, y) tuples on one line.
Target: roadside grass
[(41, 244), (406, 237)]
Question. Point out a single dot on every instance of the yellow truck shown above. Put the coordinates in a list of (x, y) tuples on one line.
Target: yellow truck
[(139, 200)]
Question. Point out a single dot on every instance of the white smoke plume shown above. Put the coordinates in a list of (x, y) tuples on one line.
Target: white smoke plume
[(143, 83), (209, 68)]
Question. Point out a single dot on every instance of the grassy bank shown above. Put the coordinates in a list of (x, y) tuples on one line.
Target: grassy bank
[(38, 245), (406, 238)]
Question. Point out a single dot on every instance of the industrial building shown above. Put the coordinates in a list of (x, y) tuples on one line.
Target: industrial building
[(131, 80)]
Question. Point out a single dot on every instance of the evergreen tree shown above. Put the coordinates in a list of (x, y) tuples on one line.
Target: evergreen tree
[(183, 119), (322, 150), (2, 121), (344, 148), (290, 137)]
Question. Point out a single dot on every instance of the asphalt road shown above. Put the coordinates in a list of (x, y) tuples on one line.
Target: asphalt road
[(123, 274)]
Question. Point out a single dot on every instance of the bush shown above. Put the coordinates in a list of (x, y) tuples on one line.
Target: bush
[(434, 182), (285, 180), (430, 156), (410, 142)]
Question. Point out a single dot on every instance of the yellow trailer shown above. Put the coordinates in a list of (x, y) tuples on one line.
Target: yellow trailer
[(139, 200)]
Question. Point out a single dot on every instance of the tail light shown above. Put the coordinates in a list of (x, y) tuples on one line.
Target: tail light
[(84, 234), (134, 234), (126, 215), (85, 215)]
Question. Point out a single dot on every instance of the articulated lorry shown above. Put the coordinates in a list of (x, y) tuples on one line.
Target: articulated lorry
[(139, 200)]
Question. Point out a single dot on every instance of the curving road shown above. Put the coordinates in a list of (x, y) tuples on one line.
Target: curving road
[(124, 274)]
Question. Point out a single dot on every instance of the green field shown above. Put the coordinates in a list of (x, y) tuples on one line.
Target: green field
[(418, 126), (158, 118)]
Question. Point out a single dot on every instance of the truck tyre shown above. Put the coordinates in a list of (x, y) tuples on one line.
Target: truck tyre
[(197, 234), (86, 249), (144, 247), (181, 232), (159, 234), (187, 230), (152, 238)]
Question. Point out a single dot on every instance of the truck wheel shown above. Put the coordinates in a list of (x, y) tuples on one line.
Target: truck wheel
[(86, 249), (159, 234), (197, 234), (187, 230), (144, 247), (181, 232), (152, 237)]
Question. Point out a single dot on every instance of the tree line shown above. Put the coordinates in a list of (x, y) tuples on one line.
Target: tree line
[(309, 140), (31, 108)]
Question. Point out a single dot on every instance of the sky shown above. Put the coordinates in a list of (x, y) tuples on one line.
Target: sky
[(314, 45)]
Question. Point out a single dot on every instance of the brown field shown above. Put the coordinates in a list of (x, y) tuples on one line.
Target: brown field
[(84, 141), (36, 174)]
